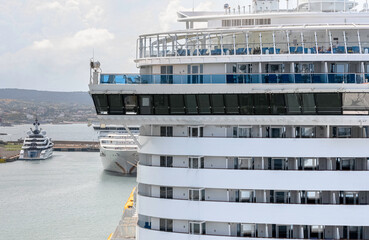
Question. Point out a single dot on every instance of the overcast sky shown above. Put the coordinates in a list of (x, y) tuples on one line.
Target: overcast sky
[(47, 44)]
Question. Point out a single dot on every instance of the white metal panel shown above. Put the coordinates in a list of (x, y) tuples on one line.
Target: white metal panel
[(255, 179), (224, 88), (314, 120), (179, 226), (216, 194), (256, 147)]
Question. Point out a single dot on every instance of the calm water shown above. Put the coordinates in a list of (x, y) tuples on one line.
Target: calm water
[(66, 197), (66, 132)]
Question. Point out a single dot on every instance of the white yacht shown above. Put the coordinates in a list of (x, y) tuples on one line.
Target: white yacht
[(254, 126), (118, 149), (36, 146)]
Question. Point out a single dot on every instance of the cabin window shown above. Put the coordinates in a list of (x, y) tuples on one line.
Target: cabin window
[(204, 104), (261, 104), (161, 104), (177, 105), (246, 104), (231, 104), (197, 228), (166, 131), (166, 225), (166, 192), (130, 103), (196, 194), (115, 104), (328, 103), (166, 161), (341, 132), (305, 132), (293, 104), (308, 103), (101, 103), (245, 163), (277, 103), (196, 131), (246, 196), (247, 230), (191, 104), (146, 105), (196, 162), (309, 164), (217, 104)]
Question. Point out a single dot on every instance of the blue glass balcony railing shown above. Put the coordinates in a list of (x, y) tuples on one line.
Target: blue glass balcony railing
[(296, 78)]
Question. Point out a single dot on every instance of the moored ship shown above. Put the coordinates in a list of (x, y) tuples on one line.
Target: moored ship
[(255, 127), (36, 146), (118, 150)]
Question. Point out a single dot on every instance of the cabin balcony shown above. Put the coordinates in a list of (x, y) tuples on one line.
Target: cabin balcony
[(232, 78)]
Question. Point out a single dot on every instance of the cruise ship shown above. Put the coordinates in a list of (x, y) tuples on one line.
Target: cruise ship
[(36, 146), (253, 122), (118, 149)]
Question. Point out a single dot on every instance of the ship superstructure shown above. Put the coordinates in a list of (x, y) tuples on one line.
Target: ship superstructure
[(36, 146), (253, 127)]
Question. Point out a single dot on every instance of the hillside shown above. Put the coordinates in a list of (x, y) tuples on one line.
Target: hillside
[(18, 106), (79, 98)]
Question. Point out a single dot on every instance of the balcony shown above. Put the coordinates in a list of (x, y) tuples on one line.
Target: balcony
[(265, 78), (300, 232), (287, 40), (260, 213), (242, 196)]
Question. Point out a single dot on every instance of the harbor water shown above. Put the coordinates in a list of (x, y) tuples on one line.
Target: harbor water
[(66, 197), (58, 132)]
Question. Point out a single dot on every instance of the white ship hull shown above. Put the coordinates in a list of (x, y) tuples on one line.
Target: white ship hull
[(36, 154), (119, 161)]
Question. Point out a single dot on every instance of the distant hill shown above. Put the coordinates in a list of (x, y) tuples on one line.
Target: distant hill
[(81, 98)]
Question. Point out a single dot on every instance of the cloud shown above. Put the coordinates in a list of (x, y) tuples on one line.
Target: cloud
[(169, 16), (87, 38), (95, 14), (43, 44), (52, 40), (49, 6)]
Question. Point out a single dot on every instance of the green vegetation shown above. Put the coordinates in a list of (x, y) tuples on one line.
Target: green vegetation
[(2, 160), (12, 147)]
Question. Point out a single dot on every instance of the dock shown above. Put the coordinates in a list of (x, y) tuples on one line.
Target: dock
[(126, 230), (12, 154), (76, 146)]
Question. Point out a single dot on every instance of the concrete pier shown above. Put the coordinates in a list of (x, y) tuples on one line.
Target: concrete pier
[(76, 146)]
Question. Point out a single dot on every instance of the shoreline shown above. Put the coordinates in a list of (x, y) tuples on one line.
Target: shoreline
[(65, 123), (60, 146)]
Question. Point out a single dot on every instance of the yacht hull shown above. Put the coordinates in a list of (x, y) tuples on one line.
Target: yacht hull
[(30, 155), (119, 161)]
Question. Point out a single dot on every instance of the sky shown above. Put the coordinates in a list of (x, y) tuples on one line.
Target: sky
[(48, 44)]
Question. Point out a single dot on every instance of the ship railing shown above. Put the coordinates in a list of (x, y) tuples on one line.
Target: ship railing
[(120, 147), (249, 167), (268, 39), (312, 201), (233, 78)]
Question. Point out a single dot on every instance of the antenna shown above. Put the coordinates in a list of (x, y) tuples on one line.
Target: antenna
[(193, 5)]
